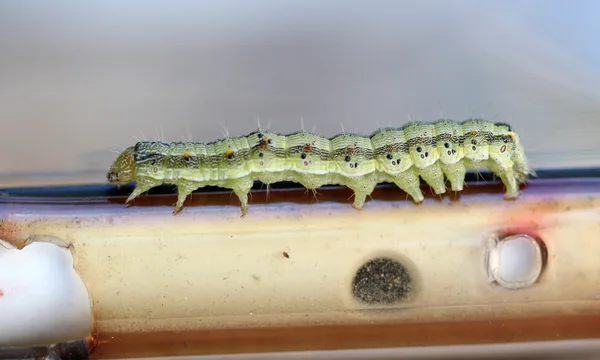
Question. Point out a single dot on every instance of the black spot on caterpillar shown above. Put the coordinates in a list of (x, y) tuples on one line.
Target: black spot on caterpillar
[(432, 151)]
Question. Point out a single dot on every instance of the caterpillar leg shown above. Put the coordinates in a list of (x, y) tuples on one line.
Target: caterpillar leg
[(141, 187), (360, 196), (241, 187), (509, 179), (184, 189), (409, 182), (311, 181), (455, 174), (362, 188), (359, 200), (512, 185), (434, 177)]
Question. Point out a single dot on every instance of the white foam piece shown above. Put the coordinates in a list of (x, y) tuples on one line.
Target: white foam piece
[(42, 298)]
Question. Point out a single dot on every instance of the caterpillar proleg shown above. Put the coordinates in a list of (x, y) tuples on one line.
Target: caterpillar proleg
[(436, 151)]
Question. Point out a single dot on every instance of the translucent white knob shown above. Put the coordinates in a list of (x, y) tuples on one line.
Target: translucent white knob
[(514, 262)]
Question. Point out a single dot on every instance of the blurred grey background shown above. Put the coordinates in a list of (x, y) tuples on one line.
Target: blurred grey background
[(79, 79)]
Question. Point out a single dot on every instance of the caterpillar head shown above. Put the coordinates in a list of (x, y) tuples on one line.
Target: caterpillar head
[(122, 169)]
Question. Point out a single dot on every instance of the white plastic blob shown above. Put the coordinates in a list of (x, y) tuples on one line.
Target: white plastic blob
[(514, 262), (42, 298)]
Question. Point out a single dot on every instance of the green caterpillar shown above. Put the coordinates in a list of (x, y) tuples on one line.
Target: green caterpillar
[(432, 151)]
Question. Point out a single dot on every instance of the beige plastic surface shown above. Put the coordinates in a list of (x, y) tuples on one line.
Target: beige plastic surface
[(207, 270)]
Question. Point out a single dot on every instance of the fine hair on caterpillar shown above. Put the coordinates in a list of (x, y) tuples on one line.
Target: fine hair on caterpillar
[(435, 151)]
